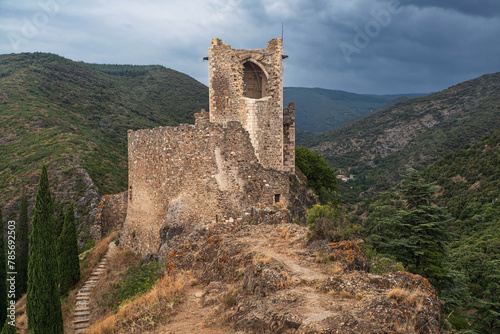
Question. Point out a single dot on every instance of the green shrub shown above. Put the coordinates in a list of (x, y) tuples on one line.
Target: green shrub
[(325, 222), (136, 281), (89, 244), (320, 177)]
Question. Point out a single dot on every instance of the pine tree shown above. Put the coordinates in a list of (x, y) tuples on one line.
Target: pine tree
[(8, 329), (67, 250), (22, 247), (43, 306), (3, 275), (408, 226)]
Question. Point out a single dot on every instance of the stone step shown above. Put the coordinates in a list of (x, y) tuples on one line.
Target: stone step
[(83, 294), (80, 313), (82, 309), (81, 318), (81, 325), (82, 297), (82, 306), (80, 330), (83, 302)]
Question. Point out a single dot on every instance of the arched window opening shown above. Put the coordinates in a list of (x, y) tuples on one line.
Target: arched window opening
[(255, 81)]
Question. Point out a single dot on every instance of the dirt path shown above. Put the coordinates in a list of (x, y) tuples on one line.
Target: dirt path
[(192, 318)]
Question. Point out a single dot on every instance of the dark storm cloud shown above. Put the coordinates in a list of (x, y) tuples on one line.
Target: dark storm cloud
[(422, 46), (485, 8)]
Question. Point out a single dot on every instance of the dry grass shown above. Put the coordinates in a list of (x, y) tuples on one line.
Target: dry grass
[(261, 258), (92, 257), (21, 318), (286, 233), (399, 294), (346, 295), (321, 257), (121, 259), (229, 299), (411, 299), (335, 269), (146, 311)]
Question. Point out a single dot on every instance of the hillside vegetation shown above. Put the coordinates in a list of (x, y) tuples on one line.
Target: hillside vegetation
[(462, 195), (320, 110), (414, 133), (74, 118), (469, 183)]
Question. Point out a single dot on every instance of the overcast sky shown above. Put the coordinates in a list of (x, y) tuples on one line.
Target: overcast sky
[(361, 46)]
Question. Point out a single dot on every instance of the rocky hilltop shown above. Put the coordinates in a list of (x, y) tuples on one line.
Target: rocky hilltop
[(263, 276)]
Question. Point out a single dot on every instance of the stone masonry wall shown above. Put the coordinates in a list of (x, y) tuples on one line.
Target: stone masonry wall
[(198, 173), (289, 138), (111, 214), (262, 117)]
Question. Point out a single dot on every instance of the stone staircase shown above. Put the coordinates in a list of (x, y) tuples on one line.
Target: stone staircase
[(81, 319)]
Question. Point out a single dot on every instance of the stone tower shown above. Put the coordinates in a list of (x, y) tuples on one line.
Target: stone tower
[(247, 86)]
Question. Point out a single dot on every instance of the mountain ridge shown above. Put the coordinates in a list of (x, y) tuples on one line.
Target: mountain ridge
[(412, 133), (74, 118), (321, 109)]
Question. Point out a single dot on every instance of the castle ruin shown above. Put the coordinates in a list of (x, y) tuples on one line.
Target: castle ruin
[(238, 156)]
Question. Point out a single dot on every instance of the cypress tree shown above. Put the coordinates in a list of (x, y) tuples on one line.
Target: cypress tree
[(8, 329), (59, 219), (3, 276), (43, 306), (67, 251), (22, 246)]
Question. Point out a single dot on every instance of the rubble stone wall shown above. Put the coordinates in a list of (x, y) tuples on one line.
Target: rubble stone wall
[(111, 214), (206, 172), (236, 78), (289, 138)]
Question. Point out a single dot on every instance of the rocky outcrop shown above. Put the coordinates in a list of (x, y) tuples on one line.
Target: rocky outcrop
[(269, 279)]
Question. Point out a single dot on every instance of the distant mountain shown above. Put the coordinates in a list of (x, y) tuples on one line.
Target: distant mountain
[(415, 132), (320, 110), (74, 118)]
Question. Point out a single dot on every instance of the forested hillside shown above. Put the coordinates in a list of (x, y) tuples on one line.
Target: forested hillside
[(469, 183), (73, 117), (417, 132), (320, 110), (454, 231)]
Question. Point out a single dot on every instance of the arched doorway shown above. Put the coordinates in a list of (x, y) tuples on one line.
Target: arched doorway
[(255, 80)]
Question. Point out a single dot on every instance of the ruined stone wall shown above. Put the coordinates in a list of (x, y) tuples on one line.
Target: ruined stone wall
[(199, 173), (289, 138), (110, 216), (235, 79)]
